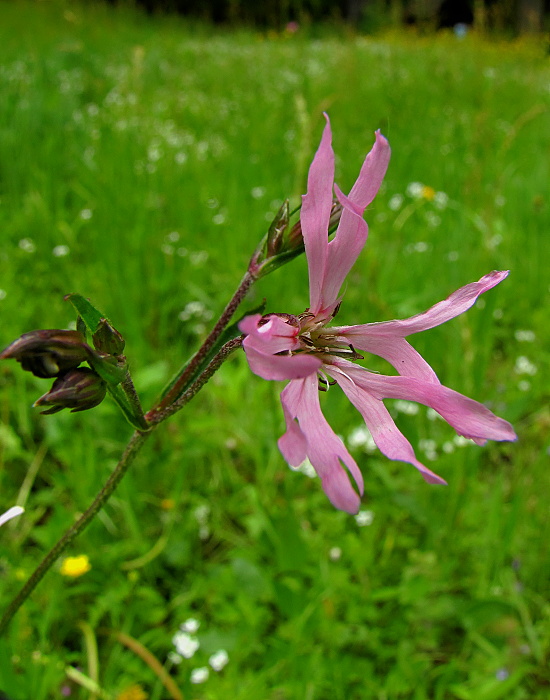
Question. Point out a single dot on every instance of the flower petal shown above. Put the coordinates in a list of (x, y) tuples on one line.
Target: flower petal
[(352, 232), (315, 215), (314, 436), (343, 251), (269, 334), (456, 304), (12, 512), (388, 438), (468, 417), (267, 338), (372, 172), (397, 351), (281, 367)]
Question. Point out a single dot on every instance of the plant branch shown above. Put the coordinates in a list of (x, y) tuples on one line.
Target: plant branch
[(134, 446)]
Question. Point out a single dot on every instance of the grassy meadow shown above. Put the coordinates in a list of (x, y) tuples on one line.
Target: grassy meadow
[(141, 161)]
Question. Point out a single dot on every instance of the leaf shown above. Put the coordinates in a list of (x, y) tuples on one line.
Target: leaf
[(90, 315)]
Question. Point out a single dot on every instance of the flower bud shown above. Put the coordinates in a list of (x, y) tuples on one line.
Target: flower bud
[(78, 389), (295, 237), (107, 339), (48, 353)]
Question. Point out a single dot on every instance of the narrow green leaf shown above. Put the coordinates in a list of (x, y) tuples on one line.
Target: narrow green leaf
[(90, 315)]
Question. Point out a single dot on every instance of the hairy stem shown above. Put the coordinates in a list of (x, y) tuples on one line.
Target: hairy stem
[(179, 385)]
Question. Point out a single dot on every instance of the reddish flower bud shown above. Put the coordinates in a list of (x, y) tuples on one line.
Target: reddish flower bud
[(48, 353), (107, 339), (78, 389)]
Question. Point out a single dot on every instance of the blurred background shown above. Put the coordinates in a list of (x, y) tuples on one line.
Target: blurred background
[(143, 153)]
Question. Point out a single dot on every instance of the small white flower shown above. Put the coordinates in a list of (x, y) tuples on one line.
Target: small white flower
[(334, 553), (414, 189), (27, 245), (199, 675), (219, 660), (364, 518), (258, 192), (191, 625), (525, 336), (441, 199), (185, 644), (12, 512), (524, 366), (86, 214), (60, 251), (395, 202), (174, 658)]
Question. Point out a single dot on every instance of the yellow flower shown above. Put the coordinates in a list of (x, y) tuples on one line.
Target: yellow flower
[(75, 566), (428, 193), (133, 692)]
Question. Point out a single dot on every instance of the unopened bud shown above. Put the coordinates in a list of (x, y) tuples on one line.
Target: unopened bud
[(295, 237), (107, 339), (48, 353), (78, 389), (277, 230)]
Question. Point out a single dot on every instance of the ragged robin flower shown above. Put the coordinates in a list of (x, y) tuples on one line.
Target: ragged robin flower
[(313, 355)]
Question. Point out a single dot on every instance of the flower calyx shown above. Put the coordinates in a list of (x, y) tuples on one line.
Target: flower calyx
[(78, 389)]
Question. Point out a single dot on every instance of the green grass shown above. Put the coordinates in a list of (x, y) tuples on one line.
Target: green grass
[(116, 131)]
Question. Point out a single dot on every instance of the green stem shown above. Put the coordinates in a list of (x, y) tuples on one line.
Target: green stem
[(134, 446), (132, 449), (156, 415)]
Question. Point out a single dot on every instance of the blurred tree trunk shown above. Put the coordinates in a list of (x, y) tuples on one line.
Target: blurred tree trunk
[(530, 16), (480, 15), (355, 10), (397, 13)]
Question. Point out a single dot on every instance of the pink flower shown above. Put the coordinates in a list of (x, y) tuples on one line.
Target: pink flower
[(303, 349)]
